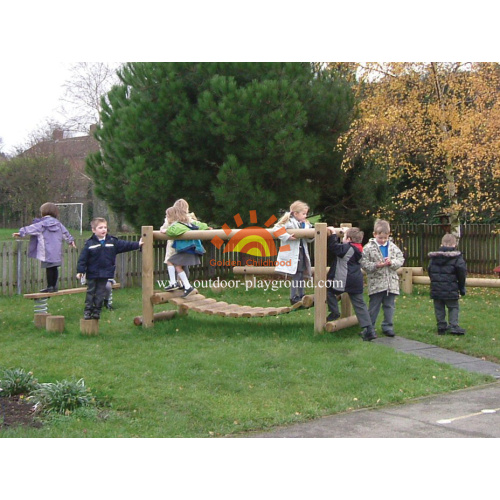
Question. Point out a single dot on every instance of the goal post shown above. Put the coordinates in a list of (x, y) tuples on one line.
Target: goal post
[(71, 215)]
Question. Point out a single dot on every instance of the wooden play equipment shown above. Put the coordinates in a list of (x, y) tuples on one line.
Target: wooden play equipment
[(199, 303), (89, 327), (55, 323), (40, 301), (415, 276)]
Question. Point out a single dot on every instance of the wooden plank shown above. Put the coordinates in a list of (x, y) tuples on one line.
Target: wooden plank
[(209, 308), (163, 297), (238, 313), (68, 291), (193, 305)]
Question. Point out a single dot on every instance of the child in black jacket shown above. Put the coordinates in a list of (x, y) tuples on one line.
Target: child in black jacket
[(345, 276), (97, 264), (447, 271)]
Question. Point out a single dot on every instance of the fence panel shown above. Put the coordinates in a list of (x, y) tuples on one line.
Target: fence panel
[(479, 243)]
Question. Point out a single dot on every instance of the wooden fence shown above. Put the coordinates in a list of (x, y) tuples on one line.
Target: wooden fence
[(479, 243)]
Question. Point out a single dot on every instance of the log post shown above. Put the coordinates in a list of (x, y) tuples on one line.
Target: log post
[(320, 277), (345, 306), (55, 324), (147, 276), (89, 326), (407, 280), (40, 320)]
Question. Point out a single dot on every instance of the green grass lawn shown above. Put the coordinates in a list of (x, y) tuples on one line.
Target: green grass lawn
[(207, 376)]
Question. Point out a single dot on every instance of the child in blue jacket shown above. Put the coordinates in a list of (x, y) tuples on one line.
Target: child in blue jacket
[(97, 263)]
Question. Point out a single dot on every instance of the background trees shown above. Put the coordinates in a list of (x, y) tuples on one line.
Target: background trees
[(434, 130), (228, 137)]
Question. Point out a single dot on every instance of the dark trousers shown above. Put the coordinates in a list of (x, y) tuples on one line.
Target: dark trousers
[(440, 307), (358, 304), (96, 293), (52, 276)]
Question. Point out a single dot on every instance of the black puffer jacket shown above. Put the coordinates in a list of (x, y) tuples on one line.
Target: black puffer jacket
[(447, 270)]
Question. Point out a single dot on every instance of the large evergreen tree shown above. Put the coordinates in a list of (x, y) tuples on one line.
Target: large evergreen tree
[(227, 137)]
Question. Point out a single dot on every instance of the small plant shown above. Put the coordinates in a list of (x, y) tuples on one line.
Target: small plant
[(16, 381), (62, 397)]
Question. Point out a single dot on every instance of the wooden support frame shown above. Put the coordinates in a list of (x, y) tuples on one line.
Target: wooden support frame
[(319, 232)]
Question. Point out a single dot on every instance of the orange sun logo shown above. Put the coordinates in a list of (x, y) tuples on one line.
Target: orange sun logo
[(253, 240)]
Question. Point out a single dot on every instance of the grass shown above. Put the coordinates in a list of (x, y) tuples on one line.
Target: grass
[(207, 376)]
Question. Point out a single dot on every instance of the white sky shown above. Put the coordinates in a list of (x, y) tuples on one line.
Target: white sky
[(29, 94)]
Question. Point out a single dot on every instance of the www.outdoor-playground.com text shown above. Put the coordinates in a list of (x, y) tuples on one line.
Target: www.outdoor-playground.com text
[(263, 284)]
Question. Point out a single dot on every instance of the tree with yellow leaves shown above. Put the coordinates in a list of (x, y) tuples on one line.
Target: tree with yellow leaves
[(434, 128)]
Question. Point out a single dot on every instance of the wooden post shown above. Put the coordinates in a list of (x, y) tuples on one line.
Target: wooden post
[(55, 323), (345, 306), (407, 280), (147, 276), (41, 320), (89, 326), (320, 277)]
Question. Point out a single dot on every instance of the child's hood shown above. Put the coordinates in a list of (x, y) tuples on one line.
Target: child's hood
[(50, 223), (445, 253)]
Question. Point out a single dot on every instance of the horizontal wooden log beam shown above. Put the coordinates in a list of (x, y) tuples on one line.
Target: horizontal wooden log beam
[(479, 282), (417, 271), (208, 234)]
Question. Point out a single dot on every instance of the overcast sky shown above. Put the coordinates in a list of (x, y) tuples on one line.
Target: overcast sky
[(29, 94)]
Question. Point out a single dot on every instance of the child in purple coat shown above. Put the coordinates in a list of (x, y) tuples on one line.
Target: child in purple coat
[(47, 235)]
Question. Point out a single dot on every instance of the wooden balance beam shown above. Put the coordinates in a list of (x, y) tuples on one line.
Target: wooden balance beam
[(68, 291)]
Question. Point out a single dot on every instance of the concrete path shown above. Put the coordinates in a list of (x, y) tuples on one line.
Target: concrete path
[(469, 413)]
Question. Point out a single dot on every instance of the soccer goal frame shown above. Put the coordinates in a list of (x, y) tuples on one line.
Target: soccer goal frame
[(81, 212)]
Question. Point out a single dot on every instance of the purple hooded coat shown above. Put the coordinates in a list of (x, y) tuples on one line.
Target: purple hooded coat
[(46, 234)]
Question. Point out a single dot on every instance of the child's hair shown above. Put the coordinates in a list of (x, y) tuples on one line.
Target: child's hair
[(382, 226), (49, 209), (96, 221), (355, 234), (449, 240), (296, 206), (183, 208), (171, 215)]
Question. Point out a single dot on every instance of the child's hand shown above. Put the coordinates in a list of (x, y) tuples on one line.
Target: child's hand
[(72, 244), (141, 242), (16, 235), (80, 275), (387, 261), (380, 263)]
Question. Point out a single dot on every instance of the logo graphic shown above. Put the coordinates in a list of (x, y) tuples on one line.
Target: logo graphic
[(252, 240)]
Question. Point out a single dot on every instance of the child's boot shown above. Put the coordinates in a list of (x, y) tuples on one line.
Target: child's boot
[(369, 334)]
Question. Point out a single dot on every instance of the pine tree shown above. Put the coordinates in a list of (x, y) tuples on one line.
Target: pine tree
[(227, 137)]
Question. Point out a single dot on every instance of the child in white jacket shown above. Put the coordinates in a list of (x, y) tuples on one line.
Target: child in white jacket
[(293, 257)]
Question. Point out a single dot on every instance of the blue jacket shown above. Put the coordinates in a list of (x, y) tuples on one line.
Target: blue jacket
[(98, 261)]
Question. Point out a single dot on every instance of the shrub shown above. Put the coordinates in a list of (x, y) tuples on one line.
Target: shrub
[(16, 381), (63, 397)]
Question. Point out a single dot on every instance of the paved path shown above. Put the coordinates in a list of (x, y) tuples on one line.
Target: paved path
[(469, 413)]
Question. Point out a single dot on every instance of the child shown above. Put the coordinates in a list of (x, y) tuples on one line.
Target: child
[(345, 276), (187, 252), (294, 261), (97, 263), (381, 259), (47, 235), (447, 271), (170, 218)]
